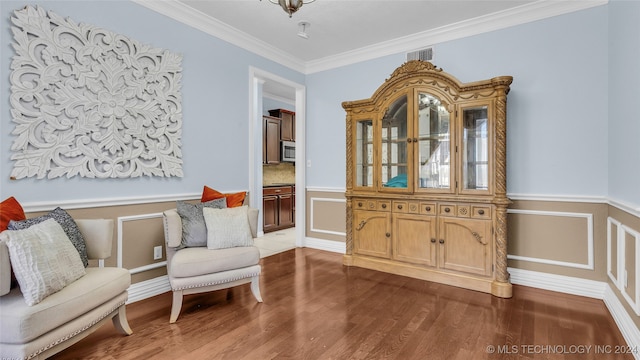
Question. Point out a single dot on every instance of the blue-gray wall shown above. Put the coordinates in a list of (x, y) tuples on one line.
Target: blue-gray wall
[(571, 126), (215, 93), (624, 94), (557, 107)]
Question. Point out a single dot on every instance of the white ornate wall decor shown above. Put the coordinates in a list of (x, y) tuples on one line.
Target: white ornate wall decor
[(89, 102)]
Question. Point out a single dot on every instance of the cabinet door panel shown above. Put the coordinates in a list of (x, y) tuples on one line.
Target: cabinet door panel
[(412, 235), (285, 209), (465, 245), (272, 141), (370, 229), (270, 211)]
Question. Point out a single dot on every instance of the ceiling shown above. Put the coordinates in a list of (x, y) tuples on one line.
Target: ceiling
[(342, 32), (341, 26)]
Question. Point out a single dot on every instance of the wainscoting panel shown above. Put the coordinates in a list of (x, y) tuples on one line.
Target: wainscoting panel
[(326, 215), (542, 233), (623, 261)]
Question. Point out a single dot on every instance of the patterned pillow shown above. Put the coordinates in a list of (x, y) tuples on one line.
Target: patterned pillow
[(68, 225), (43, 259), (194, 229), (227, 228)]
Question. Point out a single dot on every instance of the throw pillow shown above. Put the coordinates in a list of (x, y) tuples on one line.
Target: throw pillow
[(233, 199), (227, 228), (68, 224), (194, 229), (10, 209), (43, 259)]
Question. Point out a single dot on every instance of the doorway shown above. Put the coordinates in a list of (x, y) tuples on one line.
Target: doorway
[(263, 83)]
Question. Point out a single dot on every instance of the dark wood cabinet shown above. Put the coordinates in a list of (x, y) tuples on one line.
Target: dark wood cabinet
[(270, 211), (278, 208), (288, 124), (271, 141)]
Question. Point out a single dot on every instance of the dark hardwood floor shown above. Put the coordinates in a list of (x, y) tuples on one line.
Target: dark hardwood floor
[(315, 308)]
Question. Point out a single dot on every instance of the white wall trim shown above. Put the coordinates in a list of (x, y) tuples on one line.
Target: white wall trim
[(615, 279), (625, 323), (582, 287), (326, 189), (144, 268), (560, 283), (311, 216), (555, 197), (623, 231), (590, 253), (326, 245), (534, 11), (119, 228), (214, 27), (148, 288)]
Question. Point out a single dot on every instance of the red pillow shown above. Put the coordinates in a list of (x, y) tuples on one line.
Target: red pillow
[(233, 200), (10, 209)]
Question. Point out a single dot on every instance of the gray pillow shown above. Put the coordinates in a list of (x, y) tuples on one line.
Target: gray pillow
[(68, 225), (194, 229)]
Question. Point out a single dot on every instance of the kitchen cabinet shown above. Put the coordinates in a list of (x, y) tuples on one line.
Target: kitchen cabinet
[(288, 125), (271, 140), (278, 207), (426, 179)]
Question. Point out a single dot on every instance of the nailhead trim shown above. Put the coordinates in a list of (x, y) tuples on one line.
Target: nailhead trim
[(215, 283)]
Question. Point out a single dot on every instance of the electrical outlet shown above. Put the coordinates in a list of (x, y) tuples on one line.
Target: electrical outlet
[(157, 253)]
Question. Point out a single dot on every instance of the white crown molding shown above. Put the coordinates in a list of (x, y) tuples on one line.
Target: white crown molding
[(212, 26), (519, 15), (516, 16)]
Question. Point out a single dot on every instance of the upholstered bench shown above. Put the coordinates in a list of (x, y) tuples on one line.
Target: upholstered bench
[(70, 314)]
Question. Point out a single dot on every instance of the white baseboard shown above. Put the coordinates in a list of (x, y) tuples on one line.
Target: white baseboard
[(148, 288), (559, 283), (582, 287), (327, 245)]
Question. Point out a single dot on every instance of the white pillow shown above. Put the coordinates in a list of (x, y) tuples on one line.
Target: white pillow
[(43, 259), (228, 227)]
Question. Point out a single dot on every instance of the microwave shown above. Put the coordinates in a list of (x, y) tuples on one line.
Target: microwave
[(288, 153)]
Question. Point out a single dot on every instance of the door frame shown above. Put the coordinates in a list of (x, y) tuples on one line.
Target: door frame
[(257, 79)]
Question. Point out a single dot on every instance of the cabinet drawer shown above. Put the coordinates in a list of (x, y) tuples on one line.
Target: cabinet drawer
[(427, 208), (384, 205), (406, 207), (365, 204), (277, 190), (481, 212), (447, 209)]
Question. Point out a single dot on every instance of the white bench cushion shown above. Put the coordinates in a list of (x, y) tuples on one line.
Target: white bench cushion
[(199, 261), (20, 323)]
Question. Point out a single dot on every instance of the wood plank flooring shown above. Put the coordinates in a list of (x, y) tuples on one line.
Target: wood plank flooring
[(315, 308)]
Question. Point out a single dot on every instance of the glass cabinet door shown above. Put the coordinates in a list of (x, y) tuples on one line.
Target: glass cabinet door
[(475, 149), (393, 148), (434, 143), (364, 153)]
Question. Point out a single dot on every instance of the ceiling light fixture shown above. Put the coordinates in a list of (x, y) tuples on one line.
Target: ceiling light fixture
[(291, 6)]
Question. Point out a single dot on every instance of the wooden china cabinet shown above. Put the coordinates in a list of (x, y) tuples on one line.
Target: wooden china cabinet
[(426, 179)]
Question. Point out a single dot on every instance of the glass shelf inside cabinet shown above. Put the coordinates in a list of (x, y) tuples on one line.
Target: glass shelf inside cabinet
[(475, 151), (434, 143), (394, 145), (364, 153)]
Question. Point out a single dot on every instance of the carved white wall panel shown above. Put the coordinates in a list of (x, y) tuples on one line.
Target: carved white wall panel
[(92, 103)]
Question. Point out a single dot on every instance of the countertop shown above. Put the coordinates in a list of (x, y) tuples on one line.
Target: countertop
[(277, 184)]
